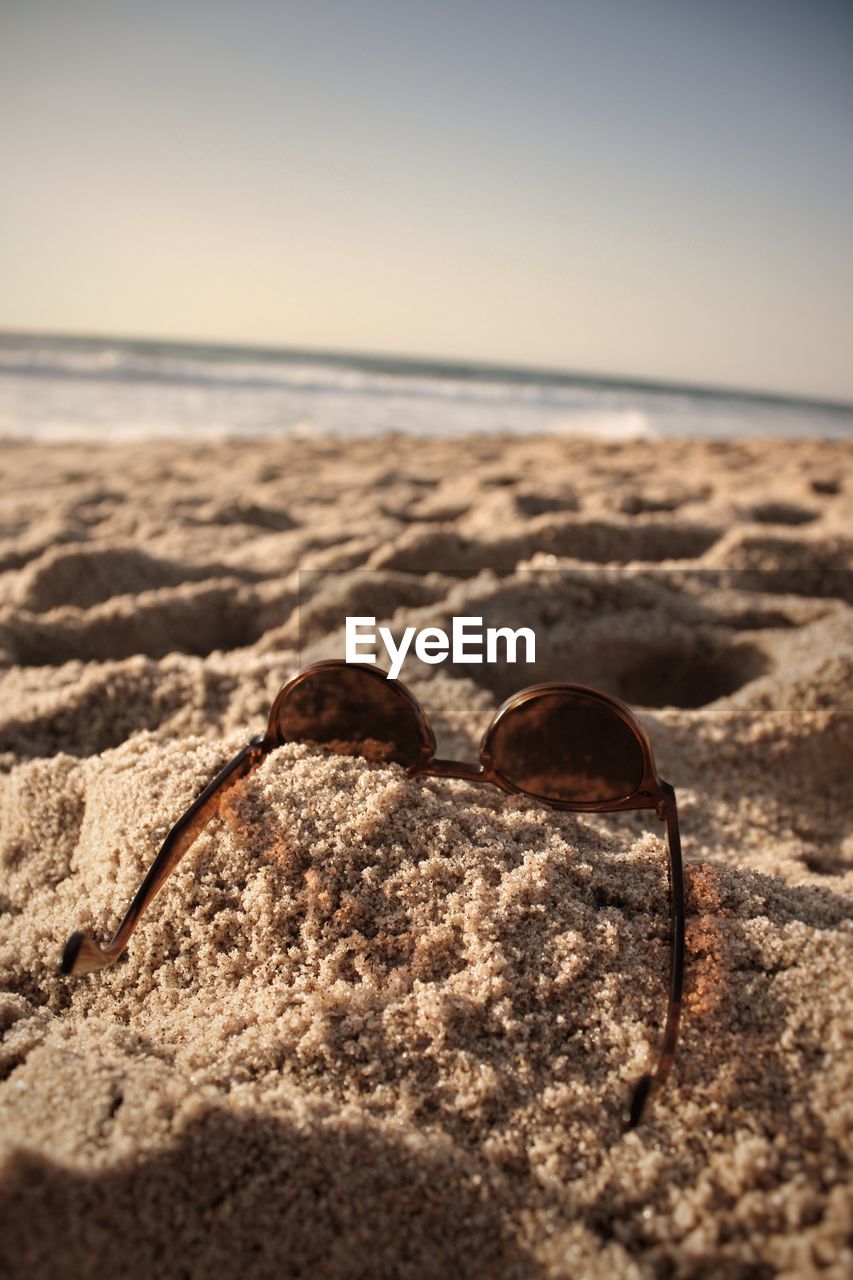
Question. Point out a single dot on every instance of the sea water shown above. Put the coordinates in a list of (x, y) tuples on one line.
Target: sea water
[(56, 388)]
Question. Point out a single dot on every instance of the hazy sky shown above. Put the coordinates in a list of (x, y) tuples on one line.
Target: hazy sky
[(623, 186)]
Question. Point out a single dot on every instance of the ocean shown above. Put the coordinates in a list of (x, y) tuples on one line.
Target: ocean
[(104, 389)]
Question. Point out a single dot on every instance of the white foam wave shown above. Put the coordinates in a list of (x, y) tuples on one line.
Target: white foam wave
[(52, 389)]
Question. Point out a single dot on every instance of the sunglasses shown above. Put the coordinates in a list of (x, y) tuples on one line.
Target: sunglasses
[(566, 745)]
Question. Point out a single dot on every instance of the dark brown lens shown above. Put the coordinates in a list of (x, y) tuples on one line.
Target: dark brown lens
[(353, 713), (564, 746)]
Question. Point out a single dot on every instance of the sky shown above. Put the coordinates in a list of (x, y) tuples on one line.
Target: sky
[(646, 188)]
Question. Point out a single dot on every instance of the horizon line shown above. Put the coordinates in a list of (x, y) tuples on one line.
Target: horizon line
[(442, 365)]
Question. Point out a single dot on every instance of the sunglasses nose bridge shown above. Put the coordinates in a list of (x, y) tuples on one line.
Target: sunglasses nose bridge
[(458, 769)]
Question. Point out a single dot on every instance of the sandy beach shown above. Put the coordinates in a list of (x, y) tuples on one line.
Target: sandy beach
[(376, 1027)]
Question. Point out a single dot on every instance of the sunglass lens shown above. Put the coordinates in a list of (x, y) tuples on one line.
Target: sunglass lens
[(351, 712), (566, 747)]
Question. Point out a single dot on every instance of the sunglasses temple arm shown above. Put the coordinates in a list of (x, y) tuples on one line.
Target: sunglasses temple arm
[(654, 1080), (82, 954)]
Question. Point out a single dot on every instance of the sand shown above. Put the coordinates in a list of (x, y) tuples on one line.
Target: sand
[(381, 1027)]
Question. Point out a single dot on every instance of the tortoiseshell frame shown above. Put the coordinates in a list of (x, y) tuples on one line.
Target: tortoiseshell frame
[(83, 955)]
